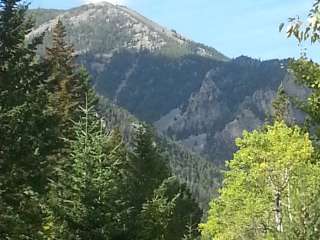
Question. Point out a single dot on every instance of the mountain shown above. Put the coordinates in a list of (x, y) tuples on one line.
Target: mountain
[(193, 94), (102, 29)]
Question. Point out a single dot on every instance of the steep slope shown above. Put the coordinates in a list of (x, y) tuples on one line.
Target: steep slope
[(234, 96), (105, 28), (202, 103), (191, 93), (199, 174)]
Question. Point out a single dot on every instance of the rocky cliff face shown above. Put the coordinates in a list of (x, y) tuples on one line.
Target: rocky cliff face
[(190, 92), (234, 96)]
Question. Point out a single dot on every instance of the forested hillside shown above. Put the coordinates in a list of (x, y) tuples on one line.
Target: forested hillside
[(63, 173), (121, 131), (191, 93), (201, 176)]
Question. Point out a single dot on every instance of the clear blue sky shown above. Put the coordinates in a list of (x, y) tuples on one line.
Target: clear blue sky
[(234, 27)]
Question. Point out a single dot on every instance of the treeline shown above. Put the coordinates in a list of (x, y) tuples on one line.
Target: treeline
[(271, 189), (63, 173)]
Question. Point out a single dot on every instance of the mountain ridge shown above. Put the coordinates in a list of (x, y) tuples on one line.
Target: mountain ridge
[(200, 100), (144, 33)]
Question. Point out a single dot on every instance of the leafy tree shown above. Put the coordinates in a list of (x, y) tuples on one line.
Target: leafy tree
[(267, 193), (306, 71)]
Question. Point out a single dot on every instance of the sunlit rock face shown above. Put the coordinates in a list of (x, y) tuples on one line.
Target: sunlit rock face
[(190, 92)]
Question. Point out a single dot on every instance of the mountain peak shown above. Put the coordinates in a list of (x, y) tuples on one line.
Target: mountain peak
[(104, 27)]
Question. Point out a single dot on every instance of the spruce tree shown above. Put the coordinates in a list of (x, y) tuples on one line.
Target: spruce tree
[(68, 84), (281, 105), (170, 213), (80, 195), (150, 166), (156, 214), (163, 206), (90, 198), (25, 126), (122, 209), (186, 215)]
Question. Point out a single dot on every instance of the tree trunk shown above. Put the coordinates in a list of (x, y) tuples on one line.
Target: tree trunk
[(278, 214)]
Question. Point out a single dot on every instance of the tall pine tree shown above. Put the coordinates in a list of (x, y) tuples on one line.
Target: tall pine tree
[(26, 124), (81, 196), (162, 206), (68, 84), (150, 167)]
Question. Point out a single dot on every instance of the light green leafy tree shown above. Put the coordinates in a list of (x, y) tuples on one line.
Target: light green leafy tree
[(269, 190), (306, 71)]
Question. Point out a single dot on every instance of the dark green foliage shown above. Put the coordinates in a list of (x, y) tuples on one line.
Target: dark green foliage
[(102, 193), (199, 174), (122, 207), (67, 83), (156, 214), (196, 172), (89, 188), (164, 206), (281, 105), (62, 176), (168, 213), (185, 214), (150, 167), (26, 124), (169, 81)]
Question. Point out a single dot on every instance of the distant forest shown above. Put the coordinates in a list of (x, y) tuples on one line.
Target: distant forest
[(69, 170)]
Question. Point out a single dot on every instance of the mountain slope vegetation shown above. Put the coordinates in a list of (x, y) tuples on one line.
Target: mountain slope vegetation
[(191, 93)]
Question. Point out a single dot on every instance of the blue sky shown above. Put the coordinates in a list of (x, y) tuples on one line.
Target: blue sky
[(234, 27)]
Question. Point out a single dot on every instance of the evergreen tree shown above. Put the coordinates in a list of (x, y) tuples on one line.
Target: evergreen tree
[(162, 205), (122, 210), (84, 194), (149, 166), (26, 131), (67, 83), (169, 212), (186, 213), (156, 214), (281, 105)]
